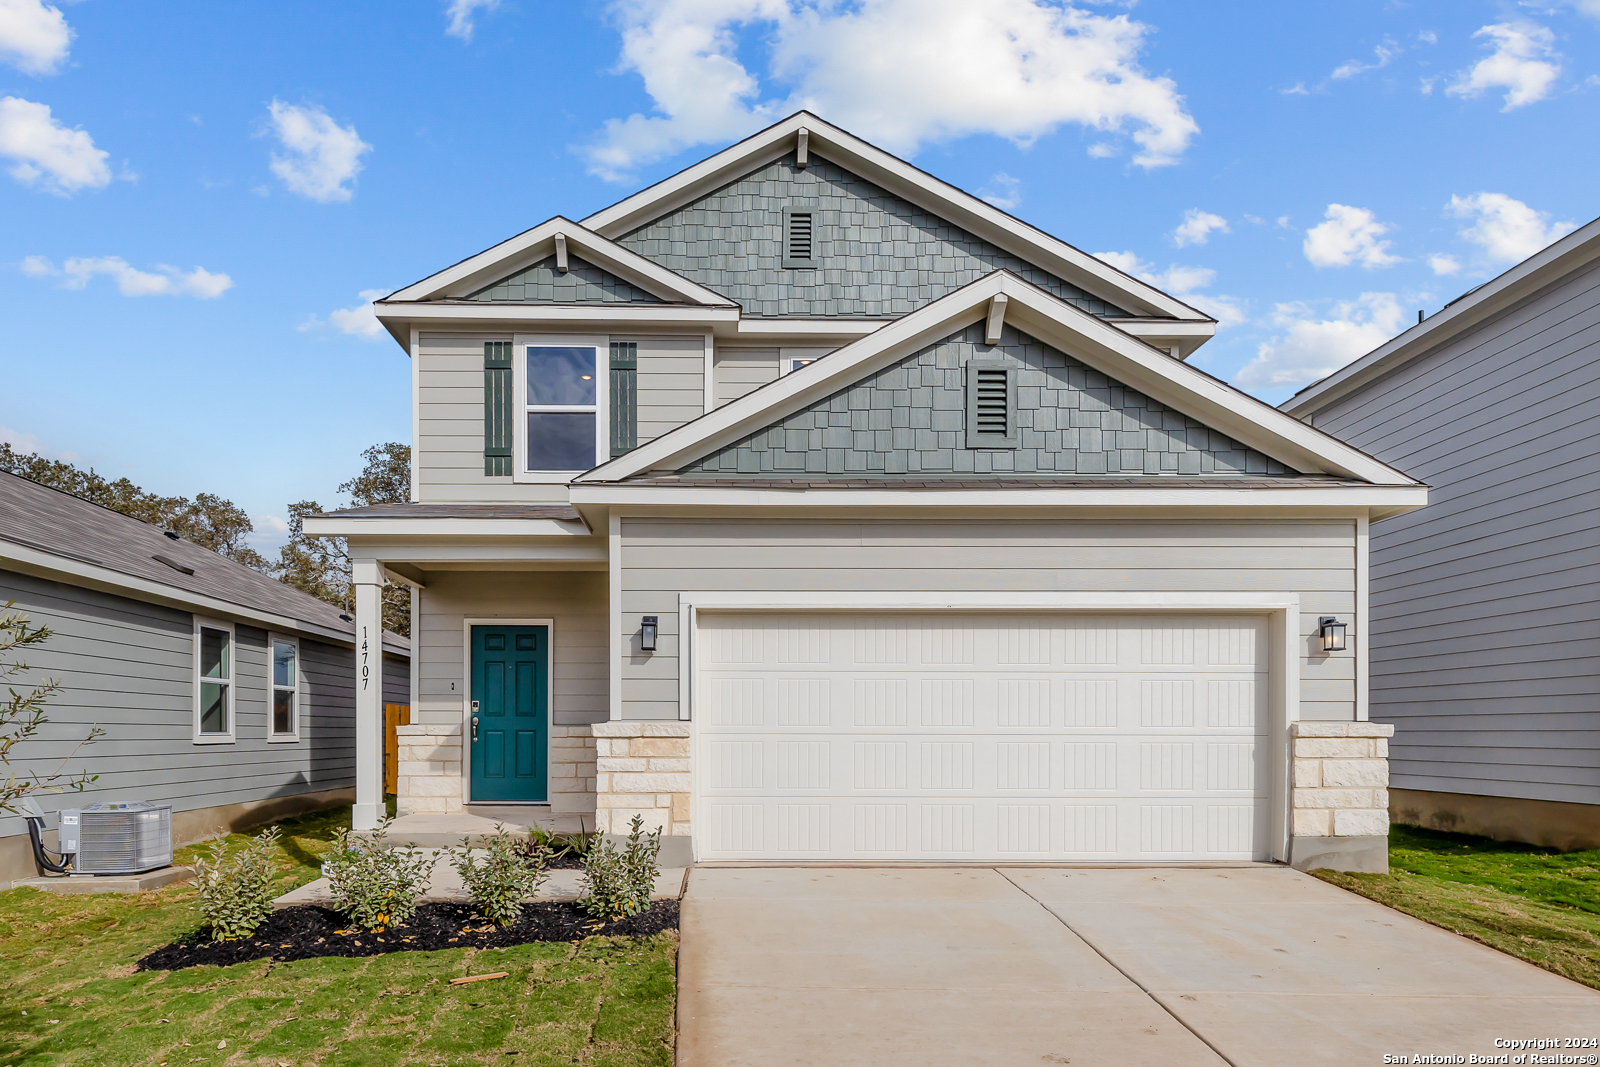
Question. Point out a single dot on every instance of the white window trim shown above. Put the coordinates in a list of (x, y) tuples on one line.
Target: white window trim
[(466, 702), (230, 737), (274, 738), (519, 385)]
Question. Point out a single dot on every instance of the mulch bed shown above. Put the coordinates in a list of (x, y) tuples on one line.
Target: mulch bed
[(307, 931)]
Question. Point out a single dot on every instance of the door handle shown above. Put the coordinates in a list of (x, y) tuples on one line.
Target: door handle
[(474, 727)]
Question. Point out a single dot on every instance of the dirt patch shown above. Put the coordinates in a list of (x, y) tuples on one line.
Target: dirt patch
[(307, 931)]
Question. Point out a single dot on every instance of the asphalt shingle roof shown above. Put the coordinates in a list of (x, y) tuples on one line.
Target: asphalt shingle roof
[(60, 524)]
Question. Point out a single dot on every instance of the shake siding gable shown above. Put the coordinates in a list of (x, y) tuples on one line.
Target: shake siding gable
[(1485, 602), (583, 283), (912, 418), (876, 255), (662, 558)]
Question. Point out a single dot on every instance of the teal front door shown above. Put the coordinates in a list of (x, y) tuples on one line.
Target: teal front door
[(508, 731)]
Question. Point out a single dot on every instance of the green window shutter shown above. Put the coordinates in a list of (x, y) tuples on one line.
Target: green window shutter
[(497, 406), (624, 396), (991, 404)]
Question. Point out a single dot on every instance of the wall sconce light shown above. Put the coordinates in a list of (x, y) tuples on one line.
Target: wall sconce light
[(1331, 631), (647, 633)]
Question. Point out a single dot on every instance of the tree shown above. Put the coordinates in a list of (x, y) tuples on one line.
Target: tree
[(22, 714), (208, 520), (320, 566)]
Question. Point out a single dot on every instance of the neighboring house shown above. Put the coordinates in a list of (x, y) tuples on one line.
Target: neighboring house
[(812, 508), (1486, 604), (221, 692)]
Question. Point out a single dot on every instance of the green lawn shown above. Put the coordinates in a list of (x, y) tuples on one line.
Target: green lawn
[(69, 993), (1534, 903)]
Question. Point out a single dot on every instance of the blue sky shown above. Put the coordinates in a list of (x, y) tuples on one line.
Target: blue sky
[(199, 198)]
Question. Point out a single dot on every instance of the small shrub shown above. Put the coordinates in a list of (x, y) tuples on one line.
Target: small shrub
[(236, 891), (509, 872), (619, 883), (375, 886)]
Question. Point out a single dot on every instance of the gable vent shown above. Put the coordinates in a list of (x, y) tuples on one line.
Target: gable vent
[(991, 405), (799, 238)]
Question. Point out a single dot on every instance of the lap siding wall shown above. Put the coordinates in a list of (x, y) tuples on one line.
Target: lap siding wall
[(663, 557)]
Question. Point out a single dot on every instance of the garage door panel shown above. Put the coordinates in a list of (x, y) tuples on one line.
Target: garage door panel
[(981, 737)]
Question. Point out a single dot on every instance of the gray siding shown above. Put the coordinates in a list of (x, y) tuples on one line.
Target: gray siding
[(672, 383), (878, 255), (127, 667), (583, 283), (910, 419), (450, 424), (1486, 603), (671, 391), (738, 371), (662, 558), (574, 600)]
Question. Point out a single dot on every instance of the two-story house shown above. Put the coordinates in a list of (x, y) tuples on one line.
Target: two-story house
[(813, 508)]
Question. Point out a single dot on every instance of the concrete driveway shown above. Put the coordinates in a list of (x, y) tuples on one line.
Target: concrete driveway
[(1161, 966)]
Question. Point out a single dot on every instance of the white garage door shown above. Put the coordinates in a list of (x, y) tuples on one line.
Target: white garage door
[(981, 737)]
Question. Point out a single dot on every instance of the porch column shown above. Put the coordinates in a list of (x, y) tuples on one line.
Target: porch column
[(367, 576)]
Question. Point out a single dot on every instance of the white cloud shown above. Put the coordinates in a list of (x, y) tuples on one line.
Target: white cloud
[(34, 37), (1102, 150), (461, 12), (76, 273), (1182, 282), (321, 158), (270, 533), (1429, 37), (1350, 235), (1443, 264), (28, 444), (1297, 89), (1382, 55), (47, 154), (1003, 191), (1507, 230), (1313, 346), (1523, 63), (898, 72), (1197, 227), (360, 321)]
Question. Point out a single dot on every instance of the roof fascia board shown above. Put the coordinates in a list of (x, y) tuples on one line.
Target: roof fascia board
[(840, 328), (530, 246), (1052, 321), (798, 388), (565, 314), (1175, 383), (620, 495), (423, 551), (89, 575), (904, 180), (444, 527), (1569, 254)]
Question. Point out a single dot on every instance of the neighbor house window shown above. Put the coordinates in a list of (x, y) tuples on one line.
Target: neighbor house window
[(562, 409), (213, 649), (285, 686)]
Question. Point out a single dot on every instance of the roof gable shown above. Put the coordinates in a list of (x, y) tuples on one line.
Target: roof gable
[(957, 207), (878, 254), (1092, 341), (908, 419), (580, 283)]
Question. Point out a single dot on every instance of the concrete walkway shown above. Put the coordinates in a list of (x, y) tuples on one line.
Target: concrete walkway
[(1158, 966)]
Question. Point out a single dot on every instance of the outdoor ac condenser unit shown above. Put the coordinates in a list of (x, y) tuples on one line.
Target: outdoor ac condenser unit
[(117, 838)]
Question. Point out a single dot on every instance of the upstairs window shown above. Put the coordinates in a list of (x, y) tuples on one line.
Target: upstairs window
[(799, 238), (213, 656), (562, 409), (285, 723)]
